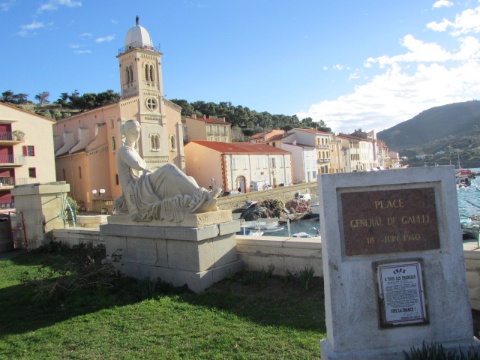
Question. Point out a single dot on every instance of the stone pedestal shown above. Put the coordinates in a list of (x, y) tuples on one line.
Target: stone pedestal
[(197, 252), (393, 264), (41, 208)]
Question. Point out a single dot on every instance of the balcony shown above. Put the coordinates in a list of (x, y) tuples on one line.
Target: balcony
[(322, 161), (7, 205), (323, 146), (7, 183), (12, 160), (11, 138)]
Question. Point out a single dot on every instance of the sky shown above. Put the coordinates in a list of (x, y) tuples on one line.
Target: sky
[(368, 64)]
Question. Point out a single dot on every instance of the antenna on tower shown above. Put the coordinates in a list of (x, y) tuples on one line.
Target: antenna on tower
[(137, 20)]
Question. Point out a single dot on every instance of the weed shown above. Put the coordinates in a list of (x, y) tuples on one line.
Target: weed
[(438, 352), (258, 278), (304, 277)]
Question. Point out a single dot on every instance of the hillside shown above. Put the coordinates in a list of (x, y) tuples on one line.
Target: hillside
[(447, 122)]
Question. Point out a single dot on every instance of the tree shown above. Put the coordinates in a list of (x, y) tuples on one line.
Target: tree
[(7, 96), (43, 98), (20, 98), (237, 134)]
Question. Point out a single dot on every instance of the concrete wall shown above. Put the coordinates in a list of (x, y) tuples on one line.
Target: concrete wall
[(472, 264), (259, 253)]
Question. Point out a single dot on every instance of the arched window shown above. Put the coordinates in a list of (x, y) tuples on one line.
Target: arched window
[(152, 77), (114, 144), (173, 143), (130, 70), (155, 142), (129, 75), (147, 73)]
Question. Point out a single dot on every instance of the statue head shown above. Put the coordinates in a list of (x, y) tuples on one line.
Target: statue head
[(128, 126)]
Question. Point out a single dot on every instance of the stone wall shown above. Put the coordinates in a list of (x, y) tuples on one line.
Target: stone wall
[(283, 193)]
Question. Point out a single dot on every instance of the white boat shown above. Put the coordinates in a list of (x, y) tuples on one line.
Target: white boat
[(301, 235), (265, 226)]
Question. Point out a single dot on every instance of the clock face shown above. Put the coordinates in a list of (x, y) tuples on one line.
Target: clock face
[(151, 103)]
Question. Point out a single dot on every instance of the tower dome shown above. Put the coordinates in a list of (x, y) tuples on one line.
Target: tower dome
[(138, 37)]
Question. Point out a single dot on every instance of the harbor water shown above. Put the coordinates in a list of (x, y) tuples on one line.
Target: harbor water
[(468, 205)]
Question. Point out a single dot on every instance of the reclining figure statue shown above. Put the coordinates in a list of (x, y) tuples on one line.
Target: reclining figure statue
[(165, 194)]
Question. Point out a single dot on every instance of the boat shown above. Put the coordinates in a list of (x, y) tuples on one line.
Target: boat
[(301, 234), (265, 226)]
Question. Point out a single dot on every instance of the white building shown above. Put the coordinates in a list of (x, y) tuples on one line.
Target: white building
[(233, 166)]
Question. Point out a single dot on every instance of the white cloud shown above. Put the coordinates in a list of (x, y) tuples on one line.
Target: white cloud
[(6, 5), (425, 75), (81, 52), (419, 51), (86, 35), (52, 5), (27, 29), (465, 22), (337, 67), (105, 39), (442, 3)]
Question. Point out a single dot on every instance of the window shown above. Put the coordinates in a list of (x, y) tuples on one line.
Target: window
[(114, 144), (272, 163), (149, 72), (173, 143), (79, 172), (29, 150), (155, 142), (32, 172), (63, 173), (151, 104), (129, 75)]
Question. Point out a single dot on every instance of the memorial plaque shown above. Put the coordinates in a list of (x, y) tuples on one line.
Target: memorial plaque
[(401, 294), (389, 221)]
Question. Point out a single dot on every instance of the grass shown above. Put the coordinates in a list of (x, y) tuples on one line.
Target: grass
[(238, 318)]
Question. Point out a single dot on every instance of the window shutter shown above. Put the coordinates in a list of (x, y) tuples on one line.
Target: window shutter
[(25, 150)]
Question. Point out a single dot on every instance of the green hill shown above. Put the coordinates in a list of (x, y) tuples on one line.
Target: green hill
[(442, 133), (442, 122)]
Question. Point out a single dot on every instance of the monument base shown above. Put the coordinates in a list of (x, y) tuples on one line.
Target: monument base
[(392, 353), (178, 254)]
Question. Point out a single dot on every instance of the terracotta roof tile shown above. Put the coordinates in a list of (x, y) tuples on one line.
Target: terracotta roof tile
[(312, 131), (240, 147)]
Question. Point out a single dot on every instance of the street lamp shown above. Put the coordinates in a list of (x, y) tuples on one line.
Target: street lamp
[(98, 193)]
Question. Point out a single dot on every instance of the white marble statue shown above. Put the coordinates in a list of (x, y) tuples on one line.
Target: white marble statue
[(165, 194)]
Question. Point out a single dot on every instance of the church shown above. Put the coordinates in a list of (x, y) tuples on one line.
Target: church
[(86, 144)]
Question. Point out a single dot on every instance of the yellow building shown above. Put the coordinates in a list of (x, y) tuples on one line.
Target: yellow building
[(26, 151), (209, 129), (86, 144)]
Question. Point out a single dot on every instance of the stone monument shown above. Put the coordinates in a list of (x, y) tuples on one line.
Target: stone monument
[(393, 264), (165, 226)]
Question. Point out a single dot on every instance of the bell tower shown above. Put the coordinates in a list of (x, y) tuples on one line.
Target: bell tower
[(140, 65)]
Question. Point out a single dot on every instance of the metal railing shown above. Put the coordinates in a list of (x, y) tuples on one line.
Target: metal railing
[(10, 136), (138, 45), (12, 159), (7, 204)]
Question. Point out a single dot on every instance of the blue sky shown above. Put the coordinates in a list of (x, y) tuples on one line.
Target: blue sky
[(366, 64)]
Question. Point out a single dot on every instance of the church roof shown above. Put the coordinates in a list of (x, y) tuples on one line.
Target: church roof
[(138, 37)]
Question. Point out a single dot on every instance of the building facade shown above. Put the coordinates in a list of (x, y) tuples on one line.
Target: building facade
[(233, 166), (26, 151), (86, 144), (209, 129)]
